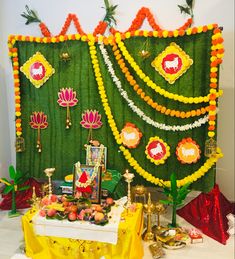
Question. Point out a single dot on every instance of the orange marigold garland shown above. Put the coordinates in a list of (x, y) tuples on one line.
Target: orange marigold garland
[(188, 151), (217, 52), (147, 98)]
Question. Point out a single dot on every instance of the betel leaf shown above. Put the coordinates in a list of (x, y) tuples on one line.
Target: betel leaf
[(8, 189), (12, 172)]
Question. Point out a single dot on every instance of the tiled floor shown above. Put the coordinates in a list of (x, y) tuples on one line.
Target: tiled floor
[(11, 243)]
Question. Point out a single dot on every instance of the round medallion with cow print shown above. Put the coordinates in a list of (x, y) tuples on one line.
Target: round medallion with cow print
[(157, 150), (188, 151)]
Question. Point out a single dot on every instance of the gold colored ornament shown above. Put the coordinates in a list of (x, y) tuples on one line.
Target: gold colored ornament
[(139, 191), (44, 189), (35, 201), (128, 178), (106, 176), (210, 147), (156, 250), (65, 56), (19, 144), (159, 209), (49, 172), (144, 53), (149, 209)]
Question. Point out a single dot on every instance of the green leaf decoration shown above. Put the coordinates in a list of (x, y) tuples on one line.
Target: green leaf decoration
[(173, 185), (8, 189), (166, 202), (12, 172), (5, 180), (184, 9), (23, 188), (190, 3), (110, 12), (30, 16)]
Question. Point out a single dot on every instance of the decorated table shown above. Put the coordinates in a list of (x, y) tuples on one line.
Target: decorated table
[(41, 244)]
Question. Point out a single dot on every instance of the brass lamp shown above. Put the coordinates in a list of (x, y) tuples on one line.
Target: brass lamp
[(149, 209)]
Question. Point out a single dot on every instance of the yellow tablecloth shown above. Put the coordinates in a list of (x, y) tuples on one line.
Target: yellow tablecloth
[(128, 246)]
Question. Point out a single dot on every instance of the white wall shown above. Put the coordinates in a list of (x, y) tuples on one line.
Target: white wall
[(89, 12)]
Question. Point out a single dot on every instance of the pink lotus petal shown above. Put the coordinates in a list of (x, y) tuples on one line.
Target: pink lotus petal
[(38, 118), (66, 95), (91, 117), (70, 94)]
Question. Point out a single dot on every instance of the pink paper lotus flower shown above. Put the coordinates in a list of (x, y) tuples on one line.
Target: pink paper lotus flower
[(38, 120), (67, 97), (91, 119)]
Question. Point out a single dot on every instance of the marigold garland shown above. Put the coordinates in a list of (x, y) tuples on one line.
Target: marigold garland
[(132, 162), (216, 59), (137, 110), (155, 87), (147, 98)]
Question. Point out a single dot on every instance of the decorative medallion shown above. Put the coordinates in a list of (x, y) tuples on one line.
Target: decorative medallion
[(37, 69), (157, 150), (38, 121), (130, 135), (172, 63), (188, 151), (67, 98)]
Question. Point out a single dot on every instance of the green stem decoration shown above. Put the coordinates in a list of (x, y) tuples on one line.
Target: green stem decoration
[(176, 197), (110, 12)]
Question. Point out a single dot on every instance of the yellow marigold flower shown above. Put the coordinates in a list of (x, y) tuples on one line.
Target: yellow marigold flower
[(211, 134), (18, 133), (17, 114), (77, 36), (155, 33)]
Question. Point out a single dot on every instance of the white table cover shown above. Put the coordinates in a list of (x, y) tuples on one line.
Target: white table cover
[(81, 229)]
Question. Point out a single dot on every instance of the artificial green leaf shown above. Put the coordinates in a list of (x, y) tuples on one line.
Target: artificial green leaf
[(166, 202), (190, 3), (173, 185), (167, 191), (4, 179), (184, 9), (12, 172), (23, 188), (8, 189), (106, 2)]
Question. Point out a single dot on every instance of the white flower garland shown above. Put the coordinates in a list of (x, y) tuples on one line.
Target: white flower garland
[(139, 112)]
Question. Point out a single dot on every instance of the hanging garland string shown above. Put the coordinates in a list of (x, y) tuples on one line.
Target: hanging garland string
[(139, 112), (152, 85), (132, 162), (148, 99)]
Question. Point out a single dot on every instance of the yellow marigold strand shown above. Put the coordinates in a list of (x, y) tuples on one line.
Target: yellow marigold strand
[(155, 87), (148, 99), (132, 162)]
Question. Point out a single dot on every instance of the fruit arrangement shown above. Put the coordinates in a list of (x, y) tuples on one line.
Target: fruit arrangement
[(73, 209)]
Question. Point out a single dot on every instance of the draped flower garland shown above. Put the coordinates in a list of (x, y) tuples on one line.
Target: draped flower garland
[(147, 98), (155, 87), (132, 162), (138, 111)]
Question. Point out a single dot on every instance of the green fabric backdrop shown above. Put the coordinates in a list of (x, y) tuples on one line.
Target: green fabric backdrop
[(61, 147)]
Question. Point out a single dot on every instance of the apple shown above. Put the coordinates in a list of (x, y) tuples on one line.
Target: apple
[(45, 201), (99, 216), (72, 216), (109, 201), (97, 207), (54, 198), (73, 208), (42, 213), (51, 212)]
